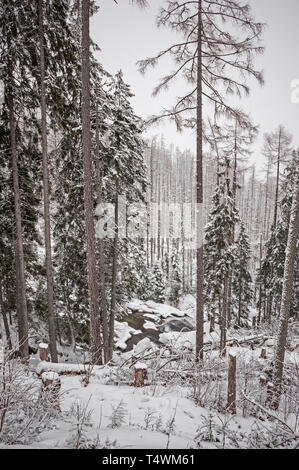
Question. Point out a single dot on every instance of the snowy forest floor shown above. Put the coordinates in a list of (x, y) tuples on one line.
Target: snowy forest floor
[(181, 405)]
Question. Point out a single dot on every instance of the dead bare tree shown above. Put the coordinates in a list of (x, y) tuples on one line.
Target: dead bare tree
[(210, 58)]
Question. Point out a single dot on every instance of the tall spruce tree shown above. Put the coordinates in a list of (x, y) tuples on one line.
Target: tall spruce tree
[(219, 253), (242, 281)]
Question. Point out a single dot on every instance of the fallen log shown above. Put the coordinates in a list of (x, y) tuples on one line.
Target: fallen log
[(66, 369)]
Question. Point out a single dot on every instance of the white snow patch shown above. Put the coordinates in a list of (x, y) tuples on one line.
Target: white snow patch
[(140, 365), (162, 310), (149, 325), (123, 332), (143, 345), (50, 376)]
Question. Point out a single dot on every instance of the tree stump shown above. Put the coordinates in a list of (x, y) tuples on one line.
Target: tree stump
[(263, 354), (140, 374), (51, 385), (231, 386), (43, 351), (263, 381)]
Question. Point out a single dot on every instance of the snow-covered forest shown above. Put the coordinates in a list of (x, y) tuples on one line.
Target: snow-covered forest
[(149, 293)]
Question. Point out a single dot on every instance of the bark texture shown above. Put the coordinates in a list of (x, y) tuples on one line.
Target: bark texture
[(88, 191), (48, 244)]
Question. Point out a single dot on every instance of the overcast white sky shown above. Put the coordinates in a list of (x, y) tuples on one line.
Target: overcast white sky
[(126, 34)]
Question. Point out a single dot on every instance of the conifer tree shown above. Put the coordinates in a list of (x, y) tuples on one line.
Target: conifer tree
[(175, 279), (287, 290), (157, 285), (219, 254), (242, 282), (272, 268)]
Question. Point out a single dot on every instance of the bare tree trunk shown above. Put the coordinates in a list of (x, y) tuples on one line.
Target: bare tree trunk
[(234, 190), (223, 325), (114, 273), (260, 283), (88, 191), (199, 195), (266, 231), (23, 314), (152, 201), (277, 179), (48, 245), (104, 310), (288, 282)]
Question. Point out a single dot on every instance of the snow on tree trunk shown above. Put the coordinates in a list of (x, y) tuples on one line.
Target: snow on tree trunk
[(286, 297)]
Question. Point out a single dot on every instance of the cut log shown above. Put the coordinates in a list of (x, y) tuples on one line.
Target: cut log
[(43, 351), (51, 387), (263, 353), (140, 374), (263, 381)]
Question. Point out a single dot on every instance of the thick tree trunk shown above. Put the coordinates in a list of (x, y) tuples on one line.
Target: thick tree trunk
[(288, 282), (104, 310), (23, 314), (48, 245), (88, 191), (199, 196)]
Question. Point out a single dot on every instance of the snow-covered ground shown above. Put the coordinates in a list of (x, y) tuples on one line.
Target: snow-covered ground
[(180, 405)]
